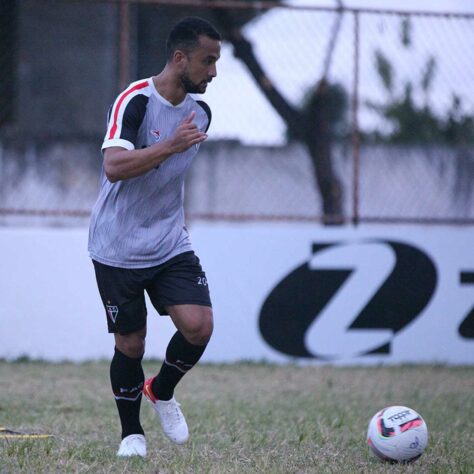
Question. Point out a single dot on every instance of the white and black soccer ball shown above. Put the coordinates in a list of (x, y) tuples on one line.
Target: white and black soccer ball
[(397, 434)]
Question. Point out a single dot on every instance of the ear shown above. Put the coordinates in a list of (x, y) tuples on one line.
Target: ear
[(179, 57)]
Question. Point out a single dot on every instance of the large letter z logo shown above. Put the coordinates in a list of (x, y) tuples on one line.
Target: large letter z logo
[(348, 300)]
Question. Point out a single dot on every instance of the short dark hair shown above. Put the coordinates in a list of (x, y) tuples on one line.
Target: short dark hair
[(185, 34)]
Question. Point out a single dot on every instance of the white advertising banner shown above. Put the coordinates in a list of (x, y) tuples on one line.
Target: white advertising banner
[(367, 294), (299, 293)]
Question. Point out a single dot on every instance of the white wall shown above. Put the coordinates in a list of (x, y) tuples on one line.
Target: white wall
[(50, 307)]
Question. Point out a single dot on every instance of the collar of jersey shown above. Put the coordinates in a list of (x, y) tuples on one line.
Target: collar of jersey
[(162, 99)]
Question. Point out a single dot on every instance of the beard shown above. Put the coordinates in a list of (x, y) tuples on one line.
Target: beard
[(193, 87)]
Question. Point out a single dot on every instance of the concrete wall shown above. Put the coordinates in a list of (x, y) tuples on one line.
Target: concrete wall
[(229, 179)]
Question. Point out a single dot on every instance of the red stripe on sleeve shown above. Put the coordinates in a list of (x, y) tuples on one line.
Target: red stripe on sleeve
[(141, 85)]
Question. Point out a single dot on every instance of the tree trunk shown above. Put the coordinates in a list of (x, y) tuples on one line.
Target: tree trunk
[(315, 134)]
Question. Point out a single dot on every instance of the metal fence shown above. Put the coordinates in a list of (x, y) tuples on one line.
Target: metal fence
[(383, 97)]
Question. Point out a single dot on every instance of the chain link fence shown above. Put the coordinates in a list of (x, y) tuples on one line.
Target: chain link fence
[(319, 114), (416, 117)]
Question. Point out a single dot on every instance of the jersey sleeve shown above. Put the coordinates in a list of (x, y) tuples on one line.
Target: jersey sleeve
[(125, 117), (206, 109)]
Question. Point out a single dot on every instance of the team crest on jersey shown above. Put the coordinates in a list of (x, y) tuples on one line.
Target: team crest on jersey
[(156, 134), (112, 312)]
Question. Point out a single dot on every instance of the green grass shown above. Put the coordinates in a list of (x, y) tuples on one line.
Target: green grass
[(243, 418)]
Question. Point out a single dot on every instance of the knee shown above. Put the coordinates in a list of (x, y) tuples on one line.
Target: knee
[(200, 334), (132, 345)]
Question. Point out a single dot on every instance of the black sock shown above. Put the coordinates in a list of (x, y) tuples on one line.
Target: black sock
[(127, 377), (181, 356)]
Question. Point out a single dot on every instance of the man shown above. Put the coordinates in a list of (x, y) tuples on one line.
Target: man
[(137, 238)]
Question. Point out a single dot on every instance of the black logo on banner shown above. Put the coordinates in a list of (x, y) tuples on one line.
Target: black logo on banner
[(466, 329), (349, 299)]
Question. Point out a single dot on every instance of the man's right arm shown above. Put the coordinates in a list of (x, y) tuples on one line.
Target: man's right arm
[(120, 163)]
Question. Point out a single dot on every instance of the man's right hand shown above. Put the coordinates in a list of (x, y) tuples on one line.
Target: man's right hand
[(187, 134)]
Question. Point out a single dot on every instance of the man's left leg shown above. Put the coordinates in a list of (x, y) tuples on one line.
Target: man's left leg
[(194, 328), (194, 324)]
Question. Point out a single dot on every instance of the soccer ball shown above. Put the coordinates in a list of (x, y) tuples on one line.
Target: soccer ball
[(397, 434)]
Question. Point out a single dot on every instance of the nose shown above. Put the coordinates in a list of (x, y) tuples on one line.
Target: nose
[(213, 71)]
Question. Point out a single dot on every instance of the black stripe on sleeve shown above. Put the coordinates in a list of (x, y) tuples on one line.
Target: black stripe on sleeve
[(133, 117), (206, 109), (109, 113)]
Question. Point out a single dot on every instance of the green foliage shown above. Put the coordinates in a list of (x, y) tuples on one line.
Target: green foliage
[(325, 107), (415, 121), (428, 74), (385, 70), (411, 124), (414, 124), (459, 127)]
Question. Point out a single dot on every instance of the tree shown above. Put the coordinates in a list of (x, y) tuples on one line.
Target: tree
[(310, 125), (411, 121)]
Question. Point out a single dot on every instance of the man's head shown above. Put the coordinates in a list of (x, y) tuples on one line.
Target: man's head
[(193, 48)]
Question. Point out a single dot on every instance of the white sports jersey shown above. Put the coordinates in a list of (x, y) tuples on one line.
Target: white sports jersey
[(139, 222)]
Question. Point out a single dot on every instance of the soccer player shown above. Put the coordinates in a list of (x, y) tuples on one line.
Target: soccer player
[(137, 238)]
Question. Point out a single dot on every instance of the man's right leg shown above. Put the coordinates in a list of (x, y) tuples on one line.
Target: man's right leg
[(122, 295), (127, 377)]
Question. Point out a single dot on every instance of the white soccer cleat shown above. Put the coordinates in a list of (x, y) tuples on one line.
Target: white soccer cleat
[(171, 417), (132, 445), (172, 420)]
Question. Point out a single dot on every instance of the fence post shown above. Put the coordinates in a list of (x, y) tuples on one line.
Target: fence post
[(124, 44), (355, 125)]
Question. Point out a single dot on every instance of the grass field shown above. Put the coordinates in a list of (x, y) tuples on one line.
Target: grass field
[(243, 418)]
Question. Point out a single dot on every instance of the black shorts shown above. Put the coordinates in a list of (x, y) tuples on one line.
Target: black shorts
[(180, 280)]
